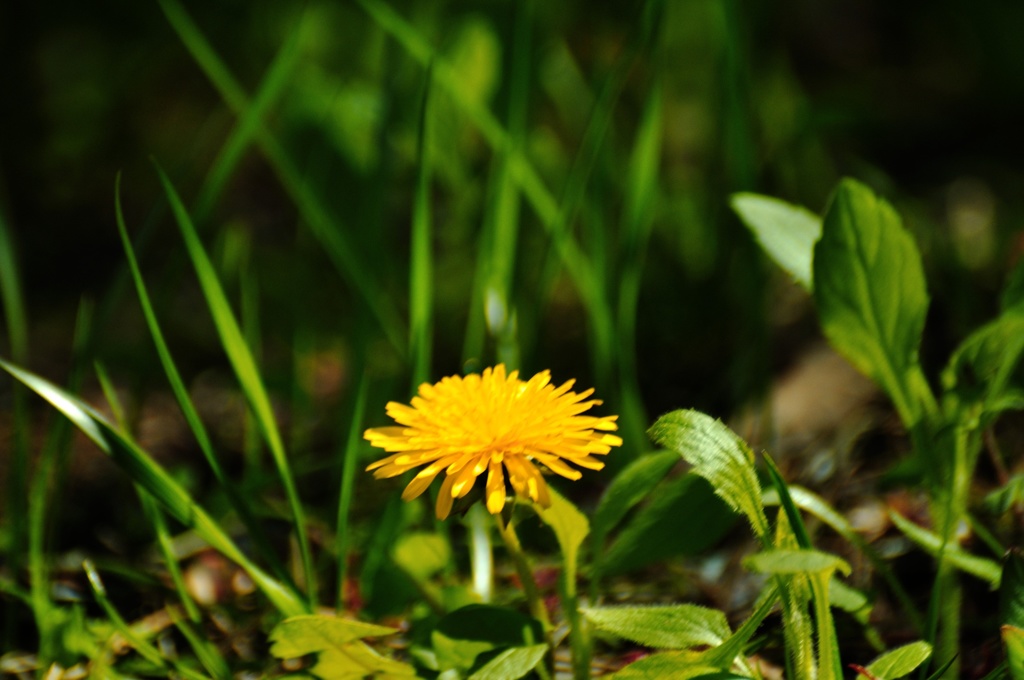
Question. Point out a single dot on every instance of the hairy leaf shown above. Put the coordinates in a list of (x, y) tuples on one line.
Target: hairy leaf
[(667, 627), (900, 661)]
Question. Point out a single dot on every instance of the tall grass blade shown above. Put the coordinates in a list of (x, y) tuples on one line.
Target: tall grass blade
[(16, 323), (324, 226), (149, 506), (238, 502), (43, 505), (142, 469), (421, 274), (245, 370), (350, 454)]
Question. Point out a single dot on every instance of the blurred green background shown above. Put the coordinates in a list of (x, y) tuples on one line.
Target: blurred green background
[(578, 163)]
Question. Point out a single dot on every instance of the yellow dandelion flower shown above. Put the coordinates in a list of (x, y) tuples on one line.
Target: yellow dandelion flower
[(486, 422)]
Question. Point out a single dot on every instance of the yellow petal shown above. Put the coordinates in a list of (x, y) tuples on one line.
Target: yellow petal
[(495, 487)]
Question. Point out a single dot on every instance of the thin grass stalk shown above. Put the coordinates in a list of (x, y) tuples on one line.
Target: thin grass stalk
[(42, 504), (349, 456), (141, 645), (13, 301), (247, 373), (421, 265), (237, 500), (149, 505), (318, 218)]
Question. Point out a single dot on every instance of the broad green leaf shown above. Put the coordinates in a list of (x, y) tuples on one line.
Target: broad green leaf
[(1013, 638), (718, 455), (511, 664), (870, 291), (900, 661), (786, 232), (570, 527), (337, 643), (985, 569), (145, 471), (629, 487), (786, 561), (422, 555), (665, 528), (1011, 590), (664, 627)]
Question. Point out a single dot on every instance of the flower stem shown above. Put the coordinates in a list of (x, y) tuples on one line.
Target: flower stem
[(525, 572)]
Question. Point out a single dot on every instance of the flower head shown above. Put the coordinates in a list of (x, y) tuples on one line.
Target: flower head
[(492, 422)]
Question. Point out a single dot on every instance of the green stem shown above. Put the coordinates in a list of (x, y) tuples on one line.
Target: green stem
[(525, 572)]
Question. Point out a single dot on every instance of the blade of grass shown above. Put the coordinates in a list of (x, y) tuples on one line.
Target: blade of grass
[(207, 653), (140, 644), (641, 195), (324, 226), (43, 505), (149, 506), (235, 498), (348, 478), (421, 266), (17, 337), (245, 370), (142, 469)]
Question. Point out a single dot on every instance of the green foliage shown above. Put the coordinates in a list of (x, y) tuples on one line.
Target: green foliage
[(655, 533), (901, 661), (465, 639), (719, 456), (341, 654), (786, 232), (667, 627), (511, 664), (1011, 590), (983, 568)]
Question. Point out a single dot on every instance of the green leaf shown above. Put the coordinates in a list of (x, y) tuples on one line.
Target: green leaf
[(1013, 638), (666, 627), (570, 526), (1013, 291), (421, 554), (786, 232), (870, 290), (724, 655), (145, 471), (1000, 501), (665, 528), (629, 487), (900, 661), (678, 665), (718, 455), (511, 664), (981, 367), (786, 561), (461, 636), (1011, 589), (337, 642), (985, 569)]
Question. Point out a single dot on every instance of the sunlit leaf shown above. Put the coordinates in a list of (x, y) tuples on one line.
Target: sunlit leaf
[(786, 232), (981, 367), (679, 665), (870, 291), (511, 664), (337, 643), (900, 661), (718, 455), (667, 627)]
